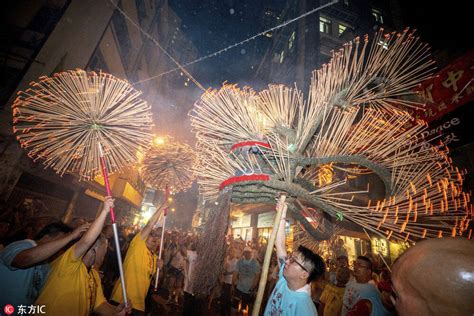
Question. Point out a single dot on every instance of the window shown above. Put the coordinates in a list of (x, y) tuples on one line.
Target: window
[(377, 15), (282, 56), (324, 25), (341, 29), (291, 41)]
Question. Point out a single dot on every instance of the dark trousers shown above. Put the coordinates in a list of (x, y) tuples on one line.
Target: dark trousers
[(246, 299), (190, 305), (226, 299)]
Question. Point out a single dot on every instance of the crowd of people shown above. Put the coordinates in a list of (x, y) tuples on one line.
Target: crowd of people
[(72, 270)]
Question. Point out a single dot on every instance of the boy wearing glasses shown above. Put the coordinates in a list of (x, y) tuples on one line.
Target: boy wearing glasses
[(292, 293)]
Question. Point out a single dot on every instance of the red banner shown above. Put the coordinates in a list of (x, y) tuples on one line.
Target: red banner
[(452, 87)]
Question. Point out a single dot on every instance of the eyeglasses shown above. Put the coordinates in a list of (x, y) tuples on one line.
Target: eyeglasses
[(291, 259)]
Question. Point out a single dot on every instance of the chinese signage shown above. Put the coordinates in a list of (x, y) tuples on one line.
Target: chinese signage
[(452, 87), (243, 221), (380, 246), (266, 219), (453, 130)]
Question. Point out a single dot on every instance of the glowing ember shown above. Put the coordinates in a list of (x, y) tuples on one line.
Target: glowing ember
[(61, 119)]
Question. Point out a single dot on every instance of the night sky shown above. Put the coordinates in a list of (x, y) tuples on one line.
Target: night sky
[(445, 24), (214, 25)]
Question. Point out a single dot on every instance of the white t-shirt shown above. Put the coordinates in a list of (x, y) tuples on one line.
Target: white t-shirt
[(230, 266), (189, 273), (359, 291)]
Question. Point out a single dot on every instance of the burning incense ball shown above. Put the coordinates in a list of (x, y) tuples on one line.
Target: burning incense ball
[(61, 119), (355, 122), (168, 165)]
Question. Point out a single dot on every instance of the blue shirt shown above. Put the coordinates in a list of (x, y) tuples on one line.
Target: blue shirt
[(286, 302), (20, 286), (247, 270)]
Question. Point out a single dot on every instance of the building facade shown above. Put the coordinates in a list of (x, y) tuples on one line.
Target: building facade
[(300, 47)]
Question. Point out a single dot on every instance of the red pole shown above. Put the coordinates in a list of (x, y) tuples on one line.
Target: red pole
[(106, 180), (114, 224)]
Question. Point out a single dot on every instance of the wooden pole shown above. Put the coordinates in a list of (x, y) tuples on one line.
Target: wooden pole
[(266, 261)]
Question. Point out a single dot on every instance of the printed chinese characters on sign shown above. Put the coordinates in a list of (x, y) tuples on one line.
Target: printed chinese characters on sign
[(451, 87)]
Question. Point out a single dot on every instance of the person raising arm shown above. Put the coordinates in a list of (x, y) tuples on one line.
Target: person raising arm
[(292, 293), (24, 264), (73, 287), (140, 266)]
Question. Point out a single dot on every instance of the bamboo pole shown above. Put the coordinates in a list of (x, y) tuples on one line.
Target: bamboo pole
[(268, 256)]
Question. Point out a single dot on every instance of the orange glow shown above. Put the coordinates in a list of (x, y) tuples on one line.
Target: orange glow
[(159, 140)]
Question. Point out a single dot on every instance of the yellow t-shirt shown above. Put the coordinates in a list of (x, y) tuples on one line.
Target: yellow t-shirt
[(70, 289), (332, 298), (138, 268), (99, 296)]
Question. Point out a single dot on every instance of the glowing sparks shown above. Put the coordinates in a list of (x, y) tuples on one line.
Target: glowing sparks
[(168, 165), (61, 119), (354, 123)]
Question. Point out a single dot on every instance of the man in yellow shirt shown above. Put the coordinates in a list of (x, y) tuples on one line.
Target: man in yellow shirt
[(73, 287), (331, 298), (139, 266)]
